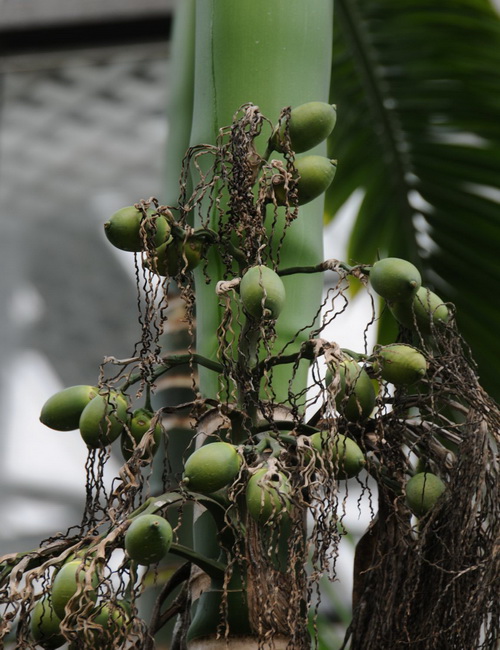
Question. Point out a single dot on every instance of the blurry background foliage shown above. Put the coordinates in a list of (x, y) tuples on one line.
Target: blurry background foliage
[(418, 142)]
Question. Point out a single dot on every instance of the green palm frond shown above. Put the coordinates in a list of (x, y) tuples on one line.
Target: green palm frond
[(417, 86)]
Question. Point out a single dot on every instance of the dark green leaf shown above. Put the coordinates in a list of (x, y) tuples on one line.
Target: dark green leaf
[(417, 90)]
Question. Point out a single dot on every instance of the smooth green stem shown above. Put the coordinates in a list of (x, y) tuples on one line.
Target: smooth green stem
[(154, 504), (213, 568), (147, 403)]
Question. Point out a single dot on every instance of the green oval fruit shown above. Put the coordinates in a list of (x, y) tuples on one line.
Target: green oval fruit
[(103, 419), (175, 257), (113, 620), (315, 175), (426, 310), (45, 625), (148, 539), (422, 492), (70, 578), (395, 279), (123, 229), (309, 124), (400, 364), (356, 397), (267, 495), (211, 467), (138, 426), (345, 455), (262, 292), (62, 411)]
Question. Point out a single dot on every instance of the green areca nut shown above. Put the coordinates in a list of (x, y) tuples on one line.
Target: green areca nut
[(400, 364), (139, 425), (308, 126), (212, 467), (148, 539), (267, 495), (425, 311), (395, 279), (45, 625), (356, 397), (103, 419), (71, 578), (124, 229), (62, 411), (422, 492), (262, 292), (345, 455), (314, 176)]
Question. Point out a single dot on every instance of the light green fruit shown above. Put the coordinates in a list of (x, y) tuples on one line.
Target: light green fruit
[(175, 257), (103, 419), (148, 539), (315, 175), (400, 364), (137, 427), (426, 310), (262, 292), (62, 411), (267, 495), (395, 279), (45, 625), (422, 492), (70, 578), (356, 396), (211, 467), (344, 454), (123, 229), (309, 124), (113, 619)]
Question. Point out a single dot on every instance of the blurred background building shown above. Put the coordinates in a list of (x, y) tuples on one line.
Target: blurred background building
[(83, 89)]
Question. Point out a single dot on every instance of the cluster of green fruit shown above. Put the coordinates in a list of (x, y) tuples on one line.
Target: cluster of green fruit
[(105, 623), (308, 125), (147, 540), (415, 307), (171, 250), (101, 416), (218, 465)]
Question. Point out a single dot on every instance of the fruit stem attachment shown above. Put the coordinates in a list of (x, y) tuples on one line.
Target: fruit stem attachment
[(209, 236), (357, 356), (213, 568), (327, 265), (307, 351), (268, 442), (154, 504), (147, 403)]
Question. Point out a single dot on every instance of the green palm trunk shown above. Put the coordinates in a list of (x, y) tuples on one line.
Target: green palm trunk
[(271, 54), (274, 55)]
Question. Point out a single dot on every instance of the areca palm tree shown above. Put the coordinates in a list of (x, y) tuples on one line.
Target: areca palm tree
[(416, 137)]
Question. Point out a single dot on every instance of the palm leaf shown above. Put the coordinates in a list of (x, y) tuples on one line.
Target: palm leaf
[(418, 93)]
